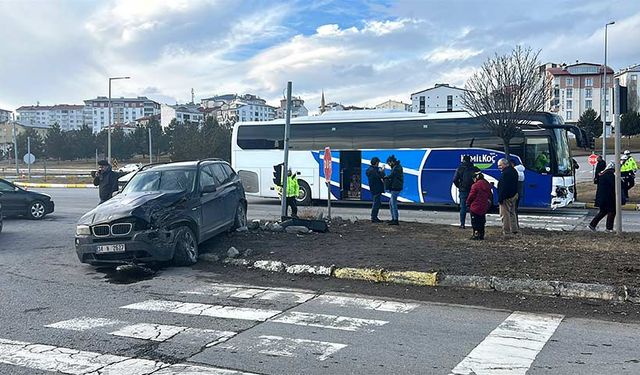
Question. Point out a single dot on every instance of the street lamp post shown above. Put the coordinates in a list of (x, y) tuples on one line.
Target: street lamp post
[(603, 97), (109, 131)]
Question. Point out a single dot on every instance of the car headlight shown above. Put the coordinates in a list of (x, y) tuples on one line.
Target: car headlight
[(83, 230)]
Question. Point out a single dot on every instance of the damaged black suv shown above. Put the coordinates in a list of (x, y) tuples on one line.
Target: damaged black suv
[(163, 213)]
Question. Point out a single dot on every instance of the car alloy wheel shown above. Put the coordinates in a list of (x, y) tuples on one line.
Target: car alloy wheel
[(241, 216), (190, 246), (36, 210)]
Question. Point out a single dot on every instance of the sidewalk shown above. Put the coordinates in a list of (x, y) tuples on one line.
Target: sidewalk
[(580, 256)]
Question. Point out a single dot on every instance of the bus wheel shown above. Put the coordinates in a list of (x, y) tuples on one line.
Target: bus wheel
[(304, 195)]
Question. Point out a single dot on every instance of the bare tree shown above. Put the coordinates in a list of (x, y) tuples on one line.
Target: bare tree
[(505, 87)]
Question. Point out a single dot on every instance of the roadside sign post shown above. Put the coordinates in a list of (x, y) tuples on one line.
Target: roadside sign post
[(285, 169), (327, 177), (29, 153), (618, 179), (593, 160)]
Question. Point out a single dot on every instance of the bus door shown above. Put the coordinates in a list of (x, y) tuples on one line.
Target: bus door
[(350, 175)]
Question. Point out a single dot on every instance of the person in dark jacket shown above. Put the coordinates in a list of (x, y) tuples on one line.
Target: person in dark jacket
[(479, 202), (394, 182), (463, 179), (605, 198), (106, 180), (507, 197), (600, 166), (375, 175)]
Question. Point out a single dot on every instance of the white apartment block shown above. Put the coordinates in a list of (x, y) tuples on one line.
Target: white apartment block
[(245, 108), (5, 115), (123, 111), (629, 79), (577, 88), (69, 117), (394, 105), (297, 108), (181, 113), (440, 98)]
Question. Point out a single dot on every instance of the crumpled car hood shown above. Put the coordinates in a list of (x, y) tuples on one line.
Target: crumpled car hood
[(154, 207)]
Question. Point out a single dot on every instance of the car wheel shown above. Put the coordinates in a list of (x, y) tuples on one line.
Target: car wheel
[(36, 210), (241, 216), (304, 194), (186, 250)]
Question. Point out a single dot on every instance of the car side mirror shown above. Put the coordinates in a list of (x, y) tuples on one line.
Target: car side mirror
[(208, 189)]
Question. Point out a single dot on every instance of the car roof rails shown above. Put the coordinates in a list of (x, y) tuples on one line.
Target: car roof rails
[(209, 159)]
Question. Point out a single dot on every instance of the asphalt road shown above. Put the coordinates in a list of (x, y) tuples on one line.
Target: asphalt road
[(59, 316)]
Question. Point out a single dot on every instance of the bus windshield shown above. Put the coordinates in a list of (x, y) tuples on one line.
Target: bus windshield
[(563, 156)]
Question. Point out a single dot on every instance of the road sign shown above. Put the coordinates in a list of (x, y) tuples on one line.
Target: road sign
[(327, 164), (593, 159), (29, 158)]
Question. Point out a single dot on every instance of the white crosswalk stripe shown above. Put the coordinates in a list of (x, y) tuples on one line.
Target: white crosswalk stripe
[(366, 303), (77, 362), (289, 347), (241, 292), (343, 323), (511, 348), (202, 309)]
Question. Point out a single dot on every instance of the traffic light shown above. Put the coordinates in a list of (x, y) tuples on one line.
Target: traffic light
[(277, 174), (592, 141)]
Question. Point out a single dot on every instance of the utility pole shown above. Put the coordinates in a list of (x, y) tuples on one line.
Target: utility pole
[(603, 97), (616, 125), (285, 167), (150, 148), (29, 156), (109, 131), (15, 143)]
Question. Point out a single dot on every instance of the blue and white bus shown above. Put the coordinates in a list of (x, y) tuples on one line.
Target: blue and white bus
[(429, 146)]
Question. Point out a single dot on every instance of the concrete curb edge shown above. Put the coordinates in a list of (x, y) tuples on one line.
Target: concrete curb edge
[(47, 185), (552, 288)]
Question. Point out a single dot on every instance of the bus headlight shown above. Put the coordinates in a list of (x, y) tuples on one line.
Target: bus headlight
[(83, 230)]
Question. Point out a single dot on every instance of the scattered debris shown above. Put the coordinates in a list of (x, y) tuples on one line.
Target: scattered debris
[(232, 252)]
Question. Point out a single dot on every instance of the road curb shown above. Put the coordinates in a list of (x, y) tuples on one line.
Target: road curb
[(46, 185), (550, 288)]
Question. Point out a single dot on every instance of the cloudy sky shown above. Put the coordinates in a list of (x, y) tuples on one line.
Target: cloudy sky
[(360, 52)]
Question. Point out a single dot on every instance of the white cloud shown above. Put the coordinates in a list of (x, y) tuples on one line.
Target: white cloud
[(444, 54)]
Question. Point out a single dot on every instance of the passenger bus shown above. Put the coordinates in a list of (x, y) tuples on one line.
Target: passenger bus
[(429, 146)]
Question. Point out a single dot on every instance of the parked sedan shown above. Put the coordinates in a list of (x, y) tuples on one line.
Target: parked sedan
[(17, 201), (0, 215)]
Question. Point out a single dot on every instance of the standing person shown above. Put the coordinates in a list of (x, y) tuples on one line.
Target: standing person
[(605, 198), (507, 197), (632, 162), (520, 169), (479, 202), (600, 166), (463, 179), (394, 183), (375, 175), (106, 180), (627, 173), (293, 190)]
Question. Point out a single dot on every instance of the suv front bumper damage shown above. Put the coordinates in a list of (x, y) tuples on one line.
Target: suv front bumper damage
[(147, 246)]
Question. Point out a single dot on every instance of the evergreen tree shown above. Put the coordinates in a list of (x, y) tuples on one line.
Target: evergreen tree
[(57, 143), (590, 122), (630, 124), (37, 143)]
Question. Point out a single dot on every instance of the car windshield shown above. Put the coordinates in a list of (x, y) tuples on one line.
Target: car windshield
[(163, 180)]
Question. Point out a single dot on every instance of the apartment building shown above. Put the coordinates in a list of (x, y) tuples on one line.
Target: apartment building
[(629, 79), (578, 87), (67, 116), (297, 108), (123, 110), (5, 115), (440, 98), (181, 113), (394, 105), (245, 108)]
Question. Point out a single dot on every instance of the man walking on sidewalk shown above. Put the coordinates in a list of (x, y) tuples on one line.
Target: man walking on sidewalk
[(375, 175), (463, 179), (394, 183), (507, 197)]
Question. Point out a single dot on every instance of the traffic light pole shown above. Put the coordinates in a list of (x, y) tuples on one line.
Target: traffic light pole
[(616, 124), (285, 169)]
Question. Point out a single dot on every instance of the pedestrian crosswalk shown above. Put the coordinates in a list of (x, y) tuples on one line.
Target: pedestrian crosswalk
[(236, 329)]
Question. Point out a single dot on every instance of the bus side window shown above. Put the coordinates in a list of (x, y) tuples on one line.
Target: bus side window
[(537, 154)]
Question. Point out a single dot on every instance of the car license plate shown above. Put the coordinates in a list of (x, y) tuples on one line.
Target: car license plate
[(118, 248)]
